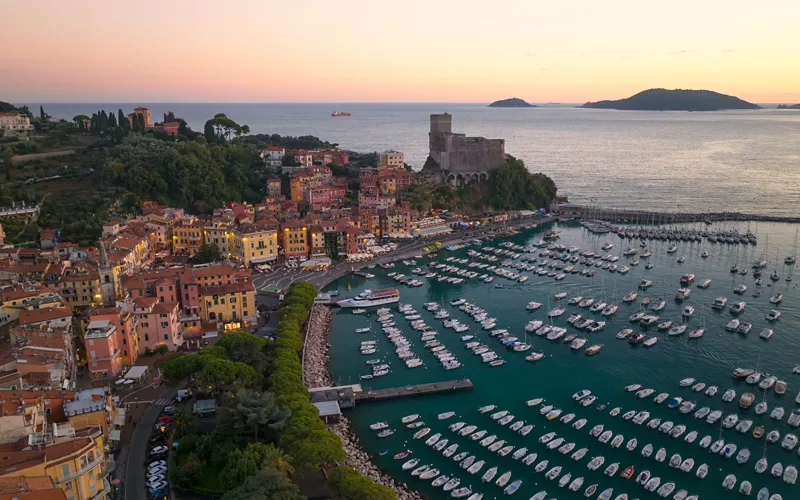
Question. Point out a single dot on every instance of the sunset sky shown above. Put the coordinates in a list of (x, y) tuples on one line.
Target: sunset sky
[(406, 51)]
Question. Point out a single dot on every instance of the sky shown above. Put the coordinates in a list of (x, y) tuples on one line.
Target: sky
[(402, 51)]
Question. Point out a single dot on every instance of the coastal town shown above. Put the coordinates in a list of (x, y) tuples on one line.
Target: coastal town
[(85, 325)]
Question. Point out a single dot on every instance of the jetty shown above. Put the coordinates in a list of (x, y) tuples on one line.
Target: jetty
[(413, 390), (660, 218)]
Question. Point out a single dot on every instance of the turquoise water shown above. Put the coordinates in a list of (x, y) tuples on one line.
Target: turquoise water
[(710, 359)]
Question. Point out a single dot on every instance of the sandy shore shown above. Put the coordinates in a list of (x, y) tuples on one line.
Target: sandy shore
[(317, 356)]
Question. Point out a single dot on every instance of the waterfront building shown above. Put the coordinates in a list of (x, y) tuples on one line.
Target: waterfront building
[(187, 236), (255, 243), (231, 305), (294, 240)]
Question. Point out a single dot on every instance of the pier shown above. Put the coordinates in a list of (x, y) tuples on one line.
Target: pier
[(659, 218), (413, 390)]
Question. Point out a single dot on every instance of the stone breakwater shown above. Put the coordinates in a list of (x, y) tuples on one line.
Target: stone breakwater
[(317, 357)]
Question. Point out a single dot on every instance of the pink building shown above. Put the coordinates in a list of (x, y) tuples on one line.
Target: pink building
[(103, 349), (125, 325), (158, 323)]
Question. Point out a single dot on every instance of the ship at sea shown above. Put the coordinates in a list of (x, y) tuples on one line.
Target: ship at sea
[(369, 298), (340, 113)]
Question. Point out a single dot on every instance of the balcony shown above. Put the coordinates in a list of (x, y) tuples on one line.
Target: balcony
[(83, 470), (102, 493)]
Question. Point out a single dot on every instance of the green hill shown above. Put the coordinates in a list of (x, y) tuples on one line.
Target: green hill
[(514, 102), (788, 106), (675, 100)]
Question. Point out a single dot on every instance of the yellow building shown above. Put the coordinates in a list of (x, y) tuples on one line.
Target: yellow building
[(299, 186), (294, 239), (255, 244), (232, 305), (220, 234), (72, 458), (80, 287), (187, 236)]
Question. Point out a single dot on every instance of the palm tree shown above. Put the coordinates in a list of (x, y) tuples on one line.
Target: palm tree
[(182, 421), (279, 460)]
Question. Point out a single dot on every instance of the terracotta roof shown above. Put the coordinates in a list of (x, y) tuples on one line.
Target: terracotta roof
[(241, 286), (44, 314), (165, 307), (22, 293), (30, 487)]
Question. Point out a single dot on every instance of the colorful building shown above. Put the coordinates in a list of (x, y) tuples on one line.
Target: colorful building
[(294, 240), (231, 305), (187, 236), (255, 243)]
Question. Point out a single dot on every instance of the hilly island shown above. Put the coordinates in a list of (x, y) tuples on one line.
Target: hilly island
[(675, 100), (514, 102)]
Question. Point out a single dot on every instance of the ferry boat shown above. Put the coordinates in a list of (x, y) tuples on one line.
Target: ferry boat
[(370, 298)]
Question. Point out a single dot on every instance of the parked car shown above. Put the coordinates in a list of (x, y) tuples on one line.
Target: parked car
[(156, 477), (157, 485), (158, 450), (161, 469), (160, 494), (168, 410), (165, 419), (157, 463)]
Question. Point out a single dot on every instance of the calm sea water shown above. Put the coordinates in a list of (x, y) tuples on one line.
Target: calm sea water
[(710, 359), (737, 160)]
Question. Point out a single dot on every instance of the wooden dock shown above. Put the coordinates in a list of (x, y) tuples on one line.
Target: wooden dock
[(413, 390)]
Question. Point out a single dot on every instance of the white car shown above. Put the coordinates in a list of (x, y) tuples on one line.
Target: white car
[(156, 485), (158, 450), (158, 471), (157, 463), (154, 478)]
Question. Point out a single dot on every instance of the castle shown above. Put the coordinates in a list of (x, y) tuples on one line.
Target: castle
[(457, 159)]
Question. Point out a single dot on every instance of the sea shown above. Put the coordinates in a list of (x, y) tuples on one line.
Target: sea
[(710, 360), (746, 161)]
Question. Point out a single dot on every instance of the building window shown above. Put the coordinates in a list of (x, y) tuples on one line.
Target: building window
[(65, 470), (166, 337), (146, 337)]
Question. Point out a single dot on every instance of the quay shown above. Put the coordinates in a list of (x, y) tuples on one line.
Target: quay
[(413, 390), (658, 218)]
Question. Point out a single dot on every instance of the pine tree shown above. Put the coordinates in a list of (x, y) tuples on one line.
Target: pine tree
[(112, 120), (122, 121), (41, 113)]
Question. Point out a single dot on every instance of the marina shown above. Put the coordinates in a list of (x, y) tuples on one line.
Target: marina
[(506, 320)]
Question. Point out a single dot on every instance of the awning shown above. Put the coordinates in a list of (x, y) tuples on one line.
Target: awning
[(115, 435), (328, 408)]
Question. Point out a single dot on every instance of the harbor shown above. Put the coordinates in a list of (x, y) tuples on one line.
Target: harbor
[(562, 369)]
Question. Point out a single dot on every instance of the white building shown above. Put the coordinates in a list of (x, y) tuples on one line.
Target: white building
[(273, 155), (15, 124)]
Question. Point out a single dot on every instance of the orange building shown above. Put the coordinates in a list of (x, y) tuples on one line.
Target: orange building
[(294, 240)]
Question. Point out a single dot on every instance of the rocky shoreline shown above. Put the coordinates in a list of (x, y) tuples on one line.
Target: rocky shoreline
[(316, 374)]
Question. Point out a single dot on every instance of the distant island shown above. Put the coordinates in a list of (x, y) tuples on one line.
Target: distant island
[(675, 100), (514, 102), (788, 106)]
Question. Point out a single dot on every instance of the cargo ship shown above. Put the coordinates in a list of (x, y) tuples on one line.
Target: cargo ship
[(369, 298), (340, 113)]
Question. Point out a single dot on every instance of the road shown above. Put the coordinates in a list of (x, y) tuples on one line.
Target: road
[(135, 488), (282, 278)]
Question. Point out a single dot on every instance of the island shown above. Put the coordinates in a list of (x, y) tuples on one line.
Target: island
[(788, 106), (514, 102), (675, 100)]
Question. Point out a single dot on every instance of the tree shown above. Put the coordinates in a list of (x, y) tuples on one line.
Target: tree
[(189, 472), (81, 121), (207, 253), (123, 122), (112, 121), (253, 417), (266, 484), (180, 367), (183, 421), (319, 447), (42, 114), (351, 485), (244, 347)]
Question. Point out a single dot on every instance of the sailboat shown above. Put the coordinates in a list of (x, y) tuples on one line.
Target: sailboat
[(790, 261)]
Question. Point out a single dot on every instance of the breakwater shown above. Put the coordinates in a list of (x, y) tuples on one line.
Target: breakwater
[(621, 215), (413, 390)]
